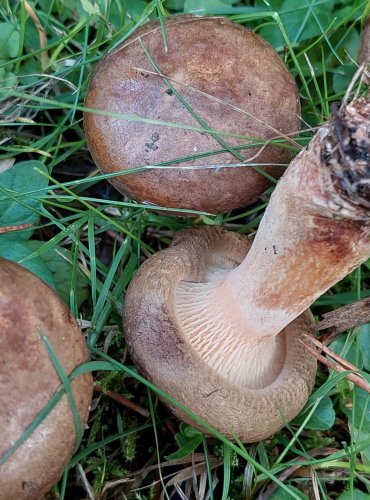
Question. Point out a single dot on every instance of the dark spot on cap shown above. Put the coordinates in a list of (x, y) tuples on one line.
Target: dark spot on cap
[(30, 486)]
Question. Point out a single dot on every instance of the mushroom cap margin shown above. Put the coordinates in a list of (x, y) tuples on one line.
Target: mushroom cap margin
[(160, 352)]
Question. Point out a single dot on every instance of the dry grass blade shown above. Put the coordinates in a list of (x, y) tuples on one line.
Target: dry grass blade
[(194, 459), (87, 486), (339, 364), (7, 162), (294, 468), (315, 485), (196, 469), (11, 108), (186, 477), (42, 35), (109, 485), (18, 227), (180, 493)]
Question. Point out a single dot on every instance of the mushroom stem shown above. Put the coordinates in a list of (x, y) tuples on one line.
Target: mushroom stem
[(316, 228), (314, 232)]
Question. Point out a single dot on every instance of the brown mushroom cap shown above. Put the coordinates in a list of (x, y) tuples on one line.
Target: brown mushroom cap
[(162, 352), (255, 96), (30, 309)]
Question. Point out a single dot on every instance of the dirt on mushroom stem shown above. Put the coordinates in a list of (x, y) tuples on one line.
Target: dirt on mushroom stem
[(347, 152)]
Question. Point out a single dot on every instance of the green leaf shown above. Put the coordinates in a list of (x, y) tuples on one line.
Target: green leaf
[(361, 437), (59, 263), (9, 41), (359, 414), (16, 206), (188, 440), (187, 446), (347, 42), (135, 8), (206, 6), (322, 418), (90, 8), (350, 352), (364, 343), (17, 251), (301, 20), (29, 71), (281, 494), (189, 431), (9, 80), (174, 4), (353, 495), (342, 77)]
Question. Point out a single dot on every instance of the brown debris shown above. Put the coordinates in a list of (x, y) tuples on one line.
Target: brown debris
[(346, 317), (122, 400), (337, 363)]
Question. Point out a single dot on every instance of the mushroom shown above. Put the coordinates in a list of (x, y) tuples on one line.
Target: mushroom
[(215, 320), (225, 74), (32, 320)]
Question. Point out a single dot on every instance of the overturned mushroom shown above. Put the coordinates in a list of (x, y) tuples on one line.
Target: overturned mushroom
[(32, 317), (215, 320), (228, 76)]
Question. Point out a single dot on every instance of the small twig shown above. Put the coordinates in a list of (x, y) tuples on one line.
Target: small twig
[(343, 362), (122, 400), (346, 317), (339, 364)]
